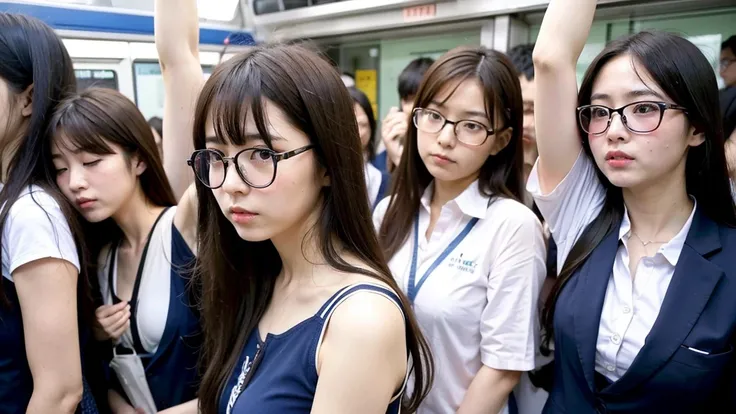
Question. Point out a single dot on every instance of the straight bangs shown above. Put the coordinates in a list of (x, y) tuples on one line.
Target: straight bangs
[(76, 129)]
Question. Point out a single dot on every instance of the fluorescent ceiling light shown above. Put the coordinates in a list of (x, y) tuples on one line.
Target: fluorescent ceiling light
[(221, 10)]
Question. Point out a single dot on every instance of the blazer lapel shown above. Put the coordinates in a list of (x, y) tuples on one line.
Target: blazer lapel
[(690, 289), (593, 281)]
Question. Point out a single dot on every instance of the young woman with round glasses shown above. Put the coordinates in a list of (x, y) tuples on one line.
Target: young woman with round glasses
[(299, 308), (469, 255), (636, 193)]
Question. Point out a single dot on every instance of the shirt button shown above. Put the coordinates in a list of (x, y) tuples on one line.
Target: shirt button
[(627, 309), (616, 339), (610, 368)]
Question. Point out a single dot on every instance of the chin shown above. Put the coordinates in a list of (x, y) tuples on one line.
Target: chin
[(252, 234), (94, 216), (624, 179)]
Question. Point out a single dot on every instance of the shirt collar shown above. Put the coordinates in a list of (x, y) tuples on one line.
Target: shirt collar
[(471, 201), (670, 250)]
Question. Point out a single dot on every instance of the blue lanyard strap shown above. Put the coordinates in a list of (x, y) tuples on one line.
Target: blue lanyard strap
[(413, 288)]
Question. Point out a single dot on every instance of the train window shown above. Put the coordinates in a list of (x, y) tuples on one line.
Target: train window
[(99, 78)]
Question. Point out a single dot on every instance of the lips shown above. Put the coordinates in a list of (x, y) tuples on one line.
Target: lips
[(442, 158), (618, 155), (84, 202), (241, 215)]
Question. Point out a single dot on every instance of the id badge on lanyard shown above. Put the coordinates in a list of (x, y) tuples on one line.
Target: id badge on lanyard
[(414, 286)]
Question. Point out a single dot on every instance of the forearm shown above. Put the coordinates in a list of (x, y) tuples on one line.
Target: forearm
[(489, 391)]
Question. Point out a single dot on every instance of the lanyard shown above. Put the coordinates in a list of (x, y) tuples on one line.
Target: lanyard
[(413, 288)]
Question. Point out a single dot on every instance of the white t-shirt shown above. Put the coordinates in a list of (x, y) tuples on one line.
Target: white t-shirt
[(155, 290), (631, 305), (36, 229), (479, 306)]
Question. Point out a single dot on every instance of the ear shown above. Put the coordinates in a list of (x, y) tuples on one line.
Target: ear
[(140, 166), (26, 101), (501, 140), (326, 181), (695, 137)]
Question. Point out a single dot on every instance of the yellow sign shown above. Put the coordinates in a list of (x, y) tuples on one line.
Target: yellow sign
[(367, 81)]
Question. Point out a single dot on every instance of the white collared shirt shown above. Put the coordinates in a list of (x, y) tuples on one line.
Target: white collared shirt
[(630, 307), (479, 306), (373, 179)]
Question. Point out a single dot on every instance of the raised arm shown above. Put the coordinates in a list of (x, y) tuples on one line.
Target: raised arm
[(564, 30), (177, 42)]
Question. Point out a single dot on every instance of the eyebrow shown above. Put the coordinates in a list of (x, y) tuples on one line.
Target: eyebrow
[(636, 93), (466, 113), (213, 139)]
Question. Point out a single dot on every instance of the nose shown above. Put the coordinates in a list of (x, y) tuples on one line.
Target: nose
[(77, 179), (617, 131), (233, 183), (446, 137)]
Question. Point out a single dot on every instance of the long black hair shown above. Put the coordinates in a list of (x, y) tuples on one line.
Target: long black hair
[(32, 55), (238, 276), (684, 74)]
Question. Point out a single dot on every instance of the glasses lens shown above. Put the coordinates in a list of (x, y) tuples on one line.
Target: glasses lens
[(594, 119), (209, 167), (643, 116), (428, 121), (471, 133), (257, 167)]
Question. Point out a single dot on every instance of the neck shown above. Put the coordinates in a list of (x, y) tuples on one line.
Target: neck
[(658, 212), (135, 219), (445, 191), (8, 153), (299, 251)]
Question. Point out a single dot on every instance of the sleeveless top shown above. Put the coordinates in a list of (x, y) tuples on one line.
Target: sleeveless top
[(279, 375), (168, 342)]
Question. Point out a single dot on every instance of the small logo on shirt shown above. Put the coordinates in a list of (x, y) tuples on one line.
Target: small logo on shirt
[(462, 264)]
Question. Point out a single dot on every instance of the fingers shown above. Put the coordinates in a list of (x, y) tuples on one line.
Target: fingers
[(106, 311), (116, 334)]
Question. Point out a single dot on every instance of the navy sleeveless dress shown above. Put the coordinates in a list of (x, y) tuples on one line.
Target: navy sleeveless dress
[(284, 367)]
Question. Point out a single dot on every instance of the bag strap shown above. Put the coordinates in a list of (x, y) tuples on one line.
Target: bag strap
[(136, 286)]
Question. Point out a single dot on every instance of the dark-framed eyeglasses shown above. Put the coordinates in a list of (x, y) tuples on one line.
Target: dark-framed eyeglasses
[(723, 64), (639, 117), (467, 131), (255, 166)]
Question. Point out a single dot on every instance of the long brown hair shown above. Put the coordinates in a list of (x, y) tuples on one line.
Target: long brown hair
[(238, 276), (90, 120), (501, 174)]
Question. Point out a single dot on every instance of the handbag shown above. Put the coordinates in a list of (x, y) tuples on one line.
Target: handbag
[(132, 377)]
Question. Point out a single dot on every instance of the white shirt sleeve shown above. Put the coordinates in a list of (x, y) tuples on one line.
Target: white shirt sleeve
[(36, 229), (572, 205), (509, 322)]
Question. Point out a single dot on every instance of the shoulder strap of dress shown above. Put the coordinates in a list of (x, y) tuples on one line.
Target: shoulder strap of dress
[(350, 290)]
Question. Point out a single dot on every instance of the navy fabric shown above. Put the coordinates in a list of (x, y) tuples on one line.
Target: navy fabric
[(380, 162), (667, 376), (172, 371), (284, 379), (16, 381)]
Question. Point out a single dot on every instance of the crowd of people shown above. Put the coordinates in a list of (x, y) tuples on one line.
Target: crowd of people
[(514, 243)]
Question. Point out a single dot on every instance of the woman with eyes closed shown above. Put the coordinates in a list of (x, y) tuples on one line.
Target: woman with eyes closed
[(634, 186), (469, 255), (300, 312), (107, 164)]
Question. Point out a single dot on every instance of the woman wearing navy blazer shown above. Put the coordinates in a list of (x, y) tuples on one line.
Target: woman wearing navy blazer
[(632, 180)]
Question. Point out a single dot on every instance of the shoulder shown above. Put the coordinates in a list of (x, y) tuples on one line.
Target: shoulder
[(368, 320), (380, 211), (507, 213), (35, 207)]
